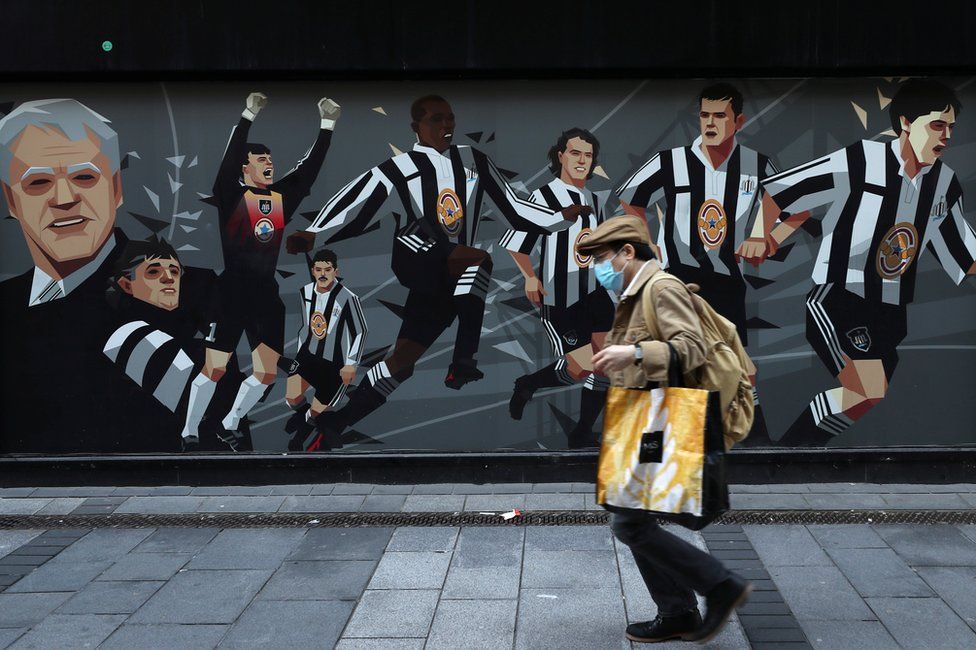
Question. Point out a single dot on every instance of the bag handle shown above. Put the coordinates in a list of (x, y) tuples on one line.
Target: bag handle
[(675, 373)]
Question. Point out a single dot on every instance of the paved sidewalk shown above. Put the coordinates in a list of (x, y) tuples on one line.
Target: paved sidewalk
[(823, 586)]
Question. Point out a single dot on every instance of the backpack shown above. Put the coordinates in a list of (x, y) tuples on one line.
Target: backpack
[(726, 369)]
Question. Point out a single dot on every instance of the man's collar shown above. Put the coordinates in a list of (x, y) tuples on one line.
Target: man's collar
[(430, 151), (922, 171), (645, 273), (569, 187), (68, 284), (697, 150)]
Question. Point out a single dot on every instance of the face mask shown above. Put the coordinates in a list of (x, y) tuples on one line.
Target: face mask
[(610, 279)]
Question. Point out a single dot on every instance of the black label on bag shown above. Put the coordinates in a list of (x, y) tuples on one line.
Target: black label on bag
[(651, 447)]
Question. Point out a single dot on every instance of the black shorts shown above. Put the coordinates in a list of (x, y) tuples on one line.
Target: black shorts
[(322, 375), (726, 295), (842, 324), (250, 305), (573, 327), (426, 315)]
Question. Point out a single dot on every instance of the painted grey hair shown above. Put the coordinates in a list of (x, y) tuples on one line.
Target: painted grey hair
[(69, 116)]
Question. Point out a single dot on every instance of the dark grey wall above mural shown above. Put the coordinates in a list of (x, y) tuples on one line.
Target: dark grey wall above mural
[(172, 137)]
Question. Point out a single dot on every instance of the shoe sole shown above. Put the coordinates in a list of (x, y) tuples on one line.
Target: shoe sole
[(739, 602), (640, 639)]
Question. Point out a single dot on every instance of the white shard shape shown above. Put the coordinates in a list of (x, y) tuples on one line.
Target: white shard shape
[(396, 152), (187, 247), (490, 299), (861, 114), (598, 171), (491, 247), (173, 185), (520, 187), (192, 216), (507, 286), (379, 109), (193, 163), (188, 228), (152, 197), (882, 100), (515, 349), (177, 160), (203, 195), (134, 154)]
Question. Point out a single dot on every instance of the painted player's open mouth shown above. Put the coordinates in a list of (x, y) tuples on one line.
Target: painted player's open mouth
[(68, 223), (168, 290), (581, 169), (448, 136), (711, 134), (938, 149), (268, 172)]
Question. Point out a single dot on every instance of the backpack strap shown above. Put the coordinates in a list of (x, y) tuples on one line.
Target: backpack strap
[(650, 316)]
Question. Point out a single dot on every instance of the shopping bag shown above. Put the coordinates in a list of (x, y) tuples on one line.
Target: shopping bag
[(663, 452)]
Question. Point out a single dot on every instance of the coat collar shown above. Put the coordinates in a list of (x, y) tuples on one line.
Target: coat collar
[(642, 278)]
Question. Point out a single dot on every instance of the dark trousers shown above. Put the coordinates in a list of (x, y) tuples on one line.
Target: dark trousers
[(673, 569)]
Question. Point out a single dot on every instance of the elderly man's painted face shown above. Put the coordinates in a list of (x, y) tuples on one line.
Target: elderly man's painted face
[(157, 282), (929, 134), (63, 194)]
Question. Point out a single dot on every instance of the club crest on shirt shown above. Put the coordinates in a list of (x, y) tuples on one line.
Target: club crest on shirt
[(318, 325), (571, 337), (264, 205), (897, 250), (264, 229), (748, 185), (940, 210), (582, 261), (712, 224), (860, 338), (449, 211)]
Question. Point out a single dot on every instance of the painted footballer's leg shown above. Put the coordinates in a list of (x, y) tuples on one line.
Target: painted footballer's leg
[(469, 271)]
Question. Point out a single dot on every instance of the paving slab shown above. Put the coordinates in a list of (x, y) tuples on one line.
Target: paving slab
[(9, 635), (434, 503), (481, 583), (568, 538), (393, 613), (322, 580), (956, 586), (291, 490), (786, 546), (383, 503), (571, 501), (846, 536), (484, 624), (11, 540), (847, 635), (380, 644), (27, 609), (434, 488), (879, 572), (293, 624), (160, 505), (846, 501), (351, 488), (571, 618), (768, 502), (69, 631), (494, 502), (146, 566), (241, 504), (74, 491), (177, 540), (435, 538), (202, 597), (59, 575), (342, 544), (930, 545), (106, 597), (392, 489), (22, 506), (61, 506), (911, 622), (411, 570), (569, 569), (818, 593), (926, 502), (248, 548), (969, 530), (229, 490), (171, 490), (312, 504), (170, 636), (16, 492)]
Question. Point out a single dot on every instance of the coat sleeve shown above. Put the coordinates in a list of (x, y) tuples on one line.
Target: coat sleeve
[(677, 324)]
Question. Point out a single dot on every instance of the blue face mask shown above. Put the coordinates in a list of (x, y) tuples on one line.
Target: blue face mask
[(610, 279)]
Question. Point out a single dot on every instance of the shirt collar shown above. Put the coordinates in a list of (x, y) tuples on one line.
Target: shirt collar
[(74, 280), (430, 151), (696, 149), (896, 149), (558, 182)]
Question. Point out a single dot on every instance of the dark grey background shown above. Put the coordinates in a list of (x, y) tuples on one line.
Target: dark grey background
[(793, 120)]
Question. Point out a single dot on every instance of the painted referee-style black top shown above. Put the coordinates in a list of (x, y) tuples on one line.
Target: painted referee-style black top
[(878, 220)]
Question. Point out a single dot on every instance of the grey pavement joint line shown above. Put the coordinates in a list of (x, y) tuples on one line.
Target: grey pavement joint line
[(753, 627)]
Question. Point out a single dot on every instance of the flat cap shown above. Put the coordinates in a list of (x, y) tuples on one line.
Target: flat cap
[(625, 228)]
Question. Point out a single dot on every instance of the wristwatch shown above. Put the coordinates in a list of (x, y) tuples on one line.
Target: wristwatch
[(638, 354)]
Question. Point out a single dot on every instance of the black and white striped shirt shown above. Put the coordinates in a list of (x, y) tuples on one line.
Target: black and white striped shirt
[(708, 209), (333, 325), (878, 220), (152, 359), (567, 276), (440, 196)]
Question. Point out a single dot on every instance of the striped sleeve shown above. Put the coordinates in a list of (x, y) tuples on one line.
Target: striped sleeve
[(152, 359), (303, 327), (954, 242), (645, 186), (521, 214), (354, 207), (522, 242), (354, 332), (809, 186)]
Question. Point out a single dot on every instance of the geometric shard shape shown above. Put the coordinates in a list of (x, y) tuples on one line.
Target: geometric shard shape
[(489, 299), (187, 228), (476, 136), (355, 437), (635, 160), (515, 349), (782, 252), (378, 109), (173, 185), (508, 173), (209, 200), (193, 163), (861, 115), (491, 138), (882, 100), (177, 160), (757, 282), (134, 154), (490, 247), (154, 225), (566, 423), (757, 323), (375, 356), (124, 163), (507, 286), (187, 247), (396, 152), (285, 274), (152, 196), (6, 107), (814, 227), (202, 195), (519, 186), (599, 171), (521, 303), (341, 235), (393, 307), (311, 214)]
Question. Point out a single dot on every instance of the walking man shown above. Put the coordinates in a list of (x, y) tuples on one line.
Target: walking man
[(673, 569)]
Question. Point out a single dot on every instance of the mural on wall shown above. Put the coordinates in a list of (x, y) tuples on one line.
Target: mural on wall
[(124, 329)]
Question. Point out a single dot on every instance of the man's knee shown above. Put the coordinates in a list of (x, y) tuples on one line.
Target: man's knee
[(214, 373), (266, 378), (631, 530)]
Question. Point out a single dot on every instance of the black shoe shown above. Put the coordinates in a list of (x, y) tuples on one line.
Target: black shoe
[(461, 373), (720, 602), (190, 444), (296, 421), (303, 435), (665, 628), (804, 432), (330, 427), (228, 437), (521, 395)]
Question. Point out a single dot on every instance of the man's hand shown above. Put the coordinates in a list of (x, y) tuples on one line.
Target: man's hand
[(347, 374), (329, 110), (613, 357), (255, 102), (573, 212), (534, 290), (755, 250), (301, 241)]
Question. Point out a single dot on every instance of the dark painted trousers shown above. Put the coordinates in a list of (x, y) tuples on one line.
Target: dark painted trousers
[(673, 569)]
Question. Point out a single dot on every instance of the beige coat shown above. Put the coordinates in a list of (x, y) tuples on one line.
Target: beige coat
[(677, 324)]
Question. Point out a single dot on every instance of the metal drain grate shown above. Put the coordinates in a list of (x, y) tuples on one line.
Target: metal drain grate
[(537, 518)]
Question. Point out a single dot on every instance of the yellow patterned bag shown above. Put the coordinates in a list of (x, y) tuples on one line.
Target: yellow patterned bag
[(663, 452)]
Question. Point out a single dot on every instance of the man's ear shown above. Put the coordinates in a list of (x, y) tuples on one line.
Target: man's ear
[(8, 195), (906, 126), (117, 188), (740, 121), (125, 284), (415, 127)]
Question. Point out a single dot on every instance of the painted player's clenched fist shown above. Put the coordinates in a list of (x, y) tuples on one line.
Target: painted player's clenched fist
[(301, 241), (573, 212), (256, 101), (329, 110)]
